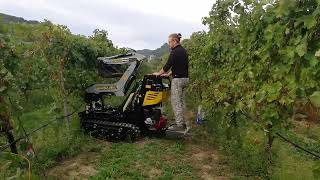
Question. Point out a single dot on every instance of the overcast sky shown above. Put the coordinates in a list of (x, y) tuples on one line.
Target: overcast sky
[(131, 23)]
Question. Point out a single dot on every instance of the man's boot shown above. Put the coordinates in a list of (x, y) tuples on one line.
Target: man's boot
[(183, 129)]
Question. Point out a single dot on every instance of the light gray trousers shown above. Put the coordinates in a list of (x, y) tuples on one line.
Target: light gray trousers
[(178, 99)]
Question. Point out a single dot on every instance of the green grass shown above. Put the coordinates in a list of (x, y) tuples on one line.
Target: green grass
[(156, 159), (291, 164), (295, 164), (35, 118), (309, 131)]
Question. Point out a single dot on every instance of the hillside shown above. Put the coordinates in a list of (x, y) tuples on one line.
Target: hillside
[(8, 18), (159, 52)]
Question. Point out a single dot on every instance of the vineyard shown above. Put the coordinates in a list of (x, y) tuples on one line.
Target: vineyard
[(255, 71)]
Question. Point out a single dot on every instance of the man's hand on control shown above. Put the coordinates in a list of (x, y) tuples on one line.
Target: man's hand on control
[(159, 73), (165, 75), (156, 74)]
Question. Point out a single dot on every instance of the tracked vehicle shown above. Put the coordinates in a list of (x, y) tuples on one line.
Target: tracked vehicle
[(139, 114)]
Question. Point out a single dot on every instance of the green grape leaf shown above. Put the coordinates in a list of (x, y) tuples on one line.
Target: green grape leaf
[(284, 8), (301, 49), (315, 99), (260, 95), (273, 91), (317, 54), (309, 21), (312, 59), (3, 88)]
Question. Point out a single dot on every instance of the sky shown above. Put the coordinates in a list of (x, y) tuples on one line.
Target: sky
[(138, 24)]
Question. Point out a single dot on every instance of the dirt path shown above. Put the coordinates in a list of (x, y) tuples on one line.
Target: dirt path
[(79, 167), (211, 164)]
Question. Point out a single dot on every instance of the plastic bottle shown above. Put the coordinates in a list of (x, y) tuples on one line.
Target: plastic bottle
[(200, 115)]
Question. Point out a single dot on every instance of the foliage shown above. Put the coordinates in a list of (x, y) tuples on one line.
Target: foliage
[(41, 66), (258, 58), (43, 56)]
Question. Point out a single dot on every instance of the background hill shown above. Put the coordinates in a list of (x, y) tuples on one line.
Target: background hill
[(159, 52), (8, 18)]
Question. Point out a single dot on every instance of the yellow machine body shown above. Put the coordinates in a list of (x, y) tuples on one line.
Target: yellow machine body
[(155, 97)]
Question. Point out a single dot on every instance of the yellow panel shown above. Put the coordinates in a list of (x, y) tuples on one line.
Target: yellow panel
[(155, 97), (152, 98)]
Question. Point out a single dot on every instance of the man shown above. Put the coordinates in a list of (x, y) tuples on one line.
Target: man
[(179, 65)]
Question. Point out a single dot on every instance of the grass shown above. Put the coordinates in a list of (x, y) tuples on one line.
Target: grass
[(291, 164), (35, 118), (160, 159)]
